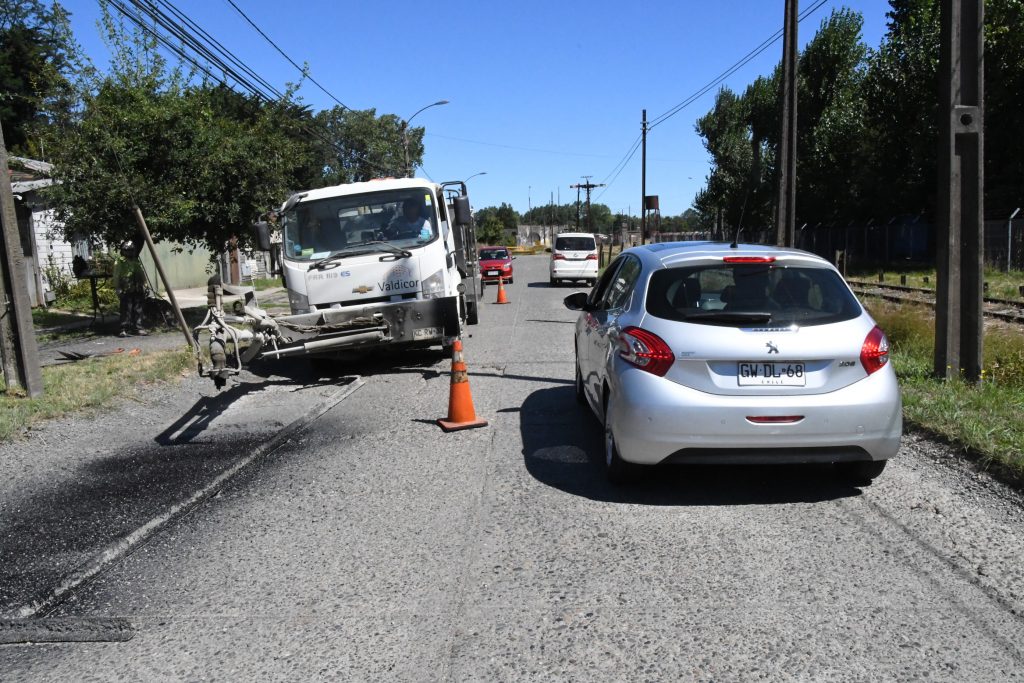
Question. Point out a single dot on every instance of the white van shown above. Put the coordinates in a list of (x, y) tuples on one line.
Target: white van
[(574, 257)]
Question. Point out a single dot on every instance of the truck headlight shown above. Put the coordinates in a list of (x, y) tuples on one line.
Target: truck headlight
[(433, 286), (299, 302)]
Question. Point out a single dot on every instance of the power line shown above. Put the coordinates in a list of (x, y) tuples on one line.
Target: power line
[(622, 166), (303, 71), (743, 61), (206, 48)]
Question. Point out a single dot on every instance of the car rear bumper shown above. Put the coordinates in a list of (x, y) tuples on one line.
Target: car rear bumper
[(656, 420), (574, 269)]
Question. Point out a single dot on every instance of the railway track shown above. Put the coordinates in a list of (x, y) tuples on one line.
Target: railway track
[(1006, 310)]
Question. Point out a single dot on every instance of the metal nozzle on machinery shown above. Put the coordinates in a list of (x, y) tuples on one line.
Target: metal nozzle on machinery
[(231, 347)]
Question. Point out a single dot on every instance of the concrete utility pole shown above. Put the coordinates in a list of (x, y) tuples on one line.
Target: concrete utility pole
[(961, 192), (785, 217), (17, 337), (588, 186)]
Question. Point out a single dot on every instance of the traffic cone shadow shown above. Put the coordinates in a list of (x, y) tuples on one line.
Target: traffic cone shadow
[(502, 299), (461, 414)]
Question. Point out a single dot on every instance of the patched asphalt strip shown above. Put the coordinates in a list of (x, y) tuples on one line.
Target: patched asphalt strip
[(121, 547), (65, 630)]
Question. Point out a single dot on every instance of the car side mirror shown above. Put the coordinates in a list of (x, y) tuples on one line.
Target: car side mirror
[(513, 258), (463, 212), (262, 230), (577, 301)]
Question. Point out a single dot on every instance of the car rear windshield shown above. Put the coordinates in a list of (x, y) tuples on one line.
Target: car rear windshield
[(575, 244), (749, 294), (491, 254)]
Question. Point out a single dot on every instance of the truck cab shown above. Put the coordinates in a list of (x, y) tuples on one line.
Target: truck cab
[(377, 262)]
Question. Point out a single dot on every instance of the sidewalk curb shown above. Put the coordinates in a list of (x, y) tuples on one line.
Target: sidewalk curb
[(114, 551)]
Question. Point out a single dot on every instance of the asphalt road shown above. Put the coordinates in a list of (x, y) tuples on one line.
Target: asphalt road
[(370, 545)]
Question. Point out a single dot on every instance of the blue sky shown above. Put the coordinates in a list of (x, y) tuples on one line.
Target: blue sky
[(541, 93)]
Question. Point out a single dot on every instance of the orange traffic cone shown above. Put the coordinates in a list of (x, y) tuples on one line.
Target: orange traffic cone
[(502, 299), (461, 414)]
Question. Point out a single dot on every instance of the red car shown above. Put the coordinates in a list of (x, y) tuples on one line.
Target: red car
[(495, 262)]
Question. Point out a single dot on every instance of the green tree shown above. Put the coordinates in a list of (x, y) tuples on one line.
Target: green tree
[(37, 58), (357, 145), (201, 161), (831, 144)]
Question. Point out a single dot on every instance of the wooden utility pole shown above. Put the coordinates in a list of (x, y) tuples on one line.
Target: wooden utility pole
[(588, 186), (785, 217), (17, 336), (961, 192), (643, 178), (140, 220)]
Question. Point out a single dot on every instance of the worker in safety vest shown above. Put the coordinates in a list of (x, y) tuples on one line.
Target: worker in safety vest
[(130, 285)]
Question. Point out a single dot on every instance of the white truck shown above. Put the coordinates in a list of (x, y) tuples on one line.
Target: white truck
[(383, 263)]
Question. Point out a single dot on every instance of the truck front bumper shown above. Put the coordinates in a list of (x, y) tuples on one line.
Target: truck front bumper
[(426, 322)]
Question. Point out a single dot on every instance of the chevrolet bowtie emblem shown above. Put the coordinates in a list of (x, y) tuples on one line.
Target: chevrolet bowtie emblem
[(772, 348), (361, 289)]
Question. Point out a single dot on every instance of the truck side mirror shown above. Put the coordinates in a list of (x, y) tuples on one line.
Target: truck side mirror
[(463, 212), (262, 230)]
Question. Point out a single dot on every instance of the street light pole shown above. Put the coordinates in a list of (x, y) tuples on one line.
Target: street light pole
[(474, 176), (405, 134)]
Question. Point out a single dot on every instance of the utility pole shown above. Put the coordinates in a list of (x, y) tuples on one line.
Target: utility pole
[(18, 348), (785, 217), (961, 191), (643, 178), (588, 186)]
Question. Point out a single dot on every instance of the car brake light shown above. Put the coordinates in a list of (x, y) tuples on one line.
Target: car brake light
[(591, 257), (645, 350), (874, 353), (749, 259), (558, 257)]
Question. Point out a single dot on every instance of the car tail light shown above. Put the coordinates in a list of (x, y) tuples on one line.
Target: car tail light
[(874, 353), (645, 350), (749, 259), (558, 257), (591, 257)]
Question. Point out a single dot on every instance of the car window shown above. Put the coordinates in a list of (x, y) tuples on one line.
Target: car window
[(621, 286), (575, 244), (797, 295), (493, 254), (597, 294)]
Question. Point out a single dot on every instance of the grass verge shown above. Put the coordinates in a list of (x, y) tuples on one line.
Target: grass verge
[(1001, 285), (985, 418), (88, 385)]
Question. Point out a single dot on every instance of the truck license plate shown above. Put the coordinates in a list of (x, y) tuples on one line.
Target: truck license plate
[(754, 374), (426, 333)]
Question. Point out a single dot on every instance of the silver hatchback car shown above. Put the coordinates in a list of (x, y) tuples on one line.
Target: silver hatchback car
[(705, 352)]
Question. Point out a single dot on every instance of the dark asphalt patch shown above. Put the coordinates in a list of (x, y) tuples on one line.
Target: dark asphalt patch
[(65, 630)]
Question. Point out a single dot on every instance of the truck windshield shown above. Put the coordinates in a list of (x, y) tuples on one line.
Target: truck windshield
[(403, 218)]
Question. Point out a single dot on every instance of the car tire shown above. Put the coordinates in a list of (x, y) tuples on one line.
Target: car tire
[(617, 470), (581, 396), (552, 282), (510, 280), (860, 473)]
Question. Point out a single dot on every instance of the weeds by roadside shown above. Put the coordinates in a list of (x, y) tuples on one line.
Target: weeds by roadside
[(984, 418), (89, 385), (1001, 285)]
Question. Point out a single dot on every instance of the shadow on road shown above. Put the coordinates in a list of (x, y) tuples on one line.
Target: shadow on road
[(563, 447)]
